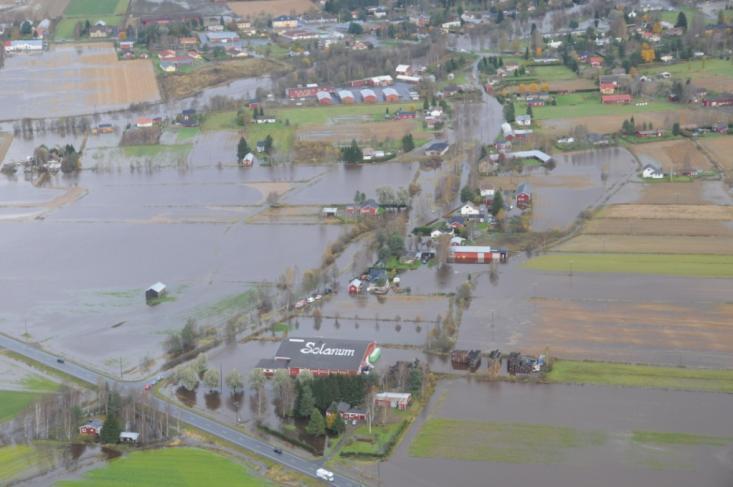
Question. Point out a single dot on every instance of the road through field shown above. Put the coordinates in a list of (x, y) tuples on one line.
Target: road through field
[(214, 428)]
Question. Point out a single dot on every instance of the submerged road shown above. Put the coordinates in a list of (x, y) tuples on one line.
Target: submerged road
[(219, 430)]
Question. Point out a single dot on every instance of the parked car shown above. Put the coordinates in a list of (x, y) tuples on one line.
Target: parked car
[(324, 474), (60, 360), (278, 451)]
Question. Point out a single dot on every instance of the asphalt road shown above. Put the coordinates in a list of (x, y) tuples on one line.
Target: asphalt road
[(188, 416)]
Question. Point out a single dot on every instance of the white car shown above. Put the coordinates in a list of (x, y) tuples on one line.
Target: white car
[(324, 474)]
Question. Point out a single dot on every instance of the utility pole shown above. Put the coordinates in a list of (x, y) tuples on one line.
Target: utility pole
[(120, 367)]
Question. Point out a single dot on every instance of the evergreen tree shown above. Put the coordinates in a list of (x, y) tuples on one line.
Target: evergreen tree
[(529, 110), (425, 104), (268, 143), (509, 111), (242, 149), (306, 402), (110, 430), (338, 424), (408, 143), (681, 20), (316, 426), (497, 204), (352, 154)]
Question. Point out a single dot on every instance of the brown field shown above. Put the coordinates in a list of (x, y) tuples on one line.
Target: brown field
[(683, 212), (668, 227), (37, 9), (720, 84), (290, 214), (345, 132), (673, 193), (539, 181), (183, 85), (674, 155), (648, 244), (610, 123), (111, 82), (721, 149), (613, 331), (272, 7)]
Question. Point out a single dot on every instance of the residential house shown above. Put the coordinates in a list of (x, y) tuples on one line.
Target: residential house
[(168, 67), (651, 171), (451, 26), (456, 222), (346, 411), (487, 195), (469, 210), (607, 88), (284, 22), (595, 61), (188, 42), (523, 195), (523, 120), (437, 149), (369, 207), (144, 122), (355, 286), (249, 160), (92, 427), (260, 146)]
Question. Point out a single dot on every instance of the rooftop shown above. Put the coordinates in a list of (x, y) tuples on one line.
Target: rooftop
[(320, 353)]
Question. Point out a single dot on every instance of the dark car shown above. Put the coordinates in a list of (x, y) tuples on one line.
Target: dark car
[(60, 360), (278, 451)]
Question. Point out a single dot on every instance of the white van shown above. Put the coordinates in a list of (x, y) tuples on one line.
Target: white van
[(324, 474)]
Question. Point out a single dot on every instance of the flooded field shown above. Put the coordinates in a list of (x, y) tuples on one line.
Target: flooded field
[(610, 437), (73, 80)]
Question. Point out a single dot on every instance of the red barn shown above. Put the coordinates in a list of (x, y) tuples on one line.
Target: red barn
[(92, 428), (523, 196), (721, 101), (608, 88), (619, 99), (470, 254), (368, 96)]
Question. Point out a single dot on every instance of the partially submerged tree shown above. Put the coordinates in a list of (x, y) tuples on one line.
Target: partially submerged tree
[(234, 380)]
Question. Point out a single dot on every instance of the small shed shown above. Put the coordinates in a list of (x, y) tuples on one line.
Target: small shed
[(329, 212), (156, 291), (91, 427), (129, 437)]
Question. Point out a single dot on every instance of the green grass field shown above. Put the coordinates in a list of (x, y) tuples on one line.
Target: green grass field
[(717, 67), (15, 460), (500, 442), (174, 467), (671, 17), (553, 73), (87, 8), (65, 28), (216, 121), (282, 135), (334, 113), (13, 402), (630, 375), (381, 435), (657, 438), (665, 265), (577, 105), (186, 134), (156, 150)]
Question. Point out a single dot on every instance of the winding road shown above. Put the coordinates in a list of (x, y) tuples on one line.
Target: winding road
[(219, 430)]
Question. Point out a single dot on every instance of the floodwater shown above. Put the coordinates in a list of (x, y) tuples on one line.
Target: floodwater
[(579, 181), (615, 412), (340, 182)]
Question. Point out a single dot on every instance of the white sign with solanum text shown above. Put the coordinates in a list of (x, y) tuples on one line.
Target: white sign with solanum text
[(311, 348)]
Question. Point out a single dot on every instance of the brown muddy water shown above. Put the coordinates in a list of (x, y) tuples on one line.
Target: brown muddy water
[(614, 413)]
